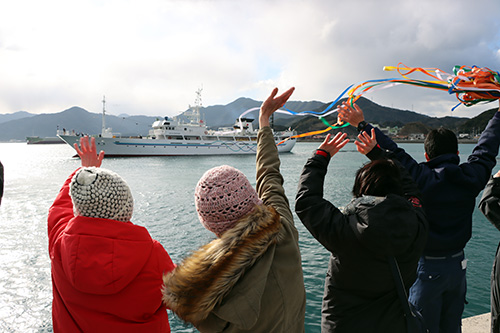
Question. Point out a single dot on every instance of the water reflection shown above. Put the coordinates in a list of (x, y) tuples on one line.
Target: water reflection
[(163, 192)]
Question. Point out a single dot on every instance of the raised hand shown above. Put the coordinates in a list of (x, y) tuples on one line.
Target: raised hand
[(350, 115), (334, 145), (272, 104), (366, 142), (88, 152)]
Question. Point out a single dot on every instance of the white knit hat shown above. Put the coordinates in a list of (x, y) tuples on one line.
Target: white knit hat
[(101, 193)]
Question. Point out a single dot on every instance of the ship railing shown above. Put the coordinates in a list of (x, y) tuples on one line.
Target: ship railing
[(66, 132)]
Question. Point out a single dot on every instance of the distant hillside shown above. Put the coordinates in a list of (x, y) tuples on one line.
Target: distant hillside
[(383, 116), (14, 116), (19, 125), (75, 118), (478, 123), (414, 128), (225, 115)]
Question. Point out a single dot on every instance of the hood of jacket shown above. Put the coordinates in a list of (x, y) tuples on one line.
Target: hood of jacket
[(200, 283), (101, 256), (386, 225), (443, 159)]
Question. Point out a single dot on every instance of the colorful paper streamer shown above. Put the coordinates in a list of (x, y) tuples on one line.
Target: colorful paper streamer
[(471, 85)]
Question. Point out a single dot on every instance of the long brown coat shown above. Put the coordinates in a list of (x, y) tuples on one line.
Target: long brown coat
[(250, 279)]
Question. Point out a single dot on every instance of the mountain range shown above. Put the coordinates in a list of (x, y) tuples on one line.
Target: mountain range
[(19, 125)]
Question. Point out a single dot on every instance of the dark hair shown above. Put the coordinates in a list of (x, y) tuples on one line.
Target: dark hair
[(378, 178), (439, 142)]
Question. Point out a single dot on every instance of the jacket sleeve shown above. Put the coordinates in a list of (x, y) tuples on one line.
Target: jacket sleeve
[(323, 220), (60, 212), (269, 179), (415, 169), (490, 202), (1, 182), (483, 158), (165, 262)]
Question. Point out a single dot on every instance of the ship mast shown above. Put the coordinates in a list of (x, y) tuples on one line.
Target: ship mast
[(197, 104), (193, 115), (103, 129)]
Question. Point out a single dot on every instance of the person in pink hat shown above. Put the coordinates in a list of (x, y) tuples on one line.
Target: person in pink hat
[(249, 279)]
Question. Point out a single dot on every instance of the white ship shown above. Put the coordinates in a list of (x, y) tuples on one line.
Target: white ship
[(171, 137)]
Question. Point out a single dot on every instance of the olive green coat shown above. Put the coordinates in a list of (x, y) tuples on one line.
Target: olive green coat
[(250, 279)]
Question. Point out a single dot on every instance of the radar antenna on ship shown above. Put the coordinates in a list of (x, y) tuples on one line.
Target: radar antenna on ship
[(103, 128), (105, 132), (194, 116), (197, 100)]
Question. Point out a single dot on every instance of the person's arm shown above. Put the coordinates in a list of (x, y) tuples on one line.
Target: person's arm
[(323, 220), (490, 201), (61, 210), (483, 158), (269, 179), (355, 117), (367, 145)]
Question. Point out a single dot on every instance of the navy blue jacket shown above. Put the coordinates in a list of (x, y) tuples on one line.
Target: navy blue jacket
[(449, 189)]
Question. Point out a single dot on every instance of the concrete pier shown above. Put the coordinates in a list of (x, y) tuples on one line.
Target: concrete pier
[(476, 324)]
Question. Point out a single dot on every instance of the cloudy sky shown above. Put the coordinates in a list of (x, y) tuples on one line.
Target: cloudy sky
[(150, 56)]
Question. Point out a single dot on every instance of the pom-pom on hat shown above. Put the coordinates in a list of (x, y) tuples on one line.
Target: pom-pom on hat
[(101, 193), (223, 195)]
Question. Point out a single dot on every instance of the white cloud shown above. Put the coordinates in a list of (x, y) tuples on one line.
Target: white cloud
[(149, 56)]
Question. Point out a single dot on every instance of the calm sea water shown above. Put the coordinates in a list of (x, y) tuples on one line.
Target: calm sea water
[(163, 191)]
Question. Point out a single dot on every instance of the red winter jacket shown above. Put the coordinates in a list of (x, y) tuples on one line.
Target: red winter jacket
[(106, 274)]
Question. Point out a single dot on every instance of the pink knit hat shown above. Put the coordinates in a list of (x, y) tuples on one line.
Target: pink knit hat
[(223, 195)]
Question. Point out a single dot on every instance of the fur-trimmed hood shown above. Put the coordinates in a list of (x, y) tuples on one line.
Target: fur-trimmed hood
[(203, 279)]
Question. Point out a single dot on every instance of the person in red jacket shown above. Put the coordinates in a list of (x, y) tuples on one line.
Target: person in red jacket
[(106, 271)]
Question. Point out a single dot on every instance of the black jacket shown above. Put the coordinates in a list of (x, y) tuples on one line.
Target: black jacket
[(490, 202), (1, 182), (360, 294), (490, 207)]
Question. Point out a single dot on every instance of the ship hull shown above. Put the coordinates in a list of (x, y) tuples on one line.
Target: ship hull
[(123, 147), (35, 140)]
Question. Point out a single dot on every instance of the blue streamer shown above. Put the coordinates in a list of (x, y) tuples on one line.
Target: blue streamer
[(325, 110)]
